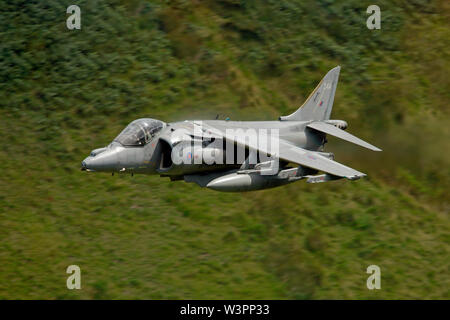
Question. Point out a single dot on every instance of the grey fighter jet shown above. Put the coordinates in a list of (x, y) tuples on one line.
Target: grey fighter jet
[(235, 155)]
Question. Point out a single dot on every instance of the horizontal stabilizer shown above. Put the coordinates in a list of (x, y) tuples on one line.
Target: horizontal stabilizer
[(339, 133)]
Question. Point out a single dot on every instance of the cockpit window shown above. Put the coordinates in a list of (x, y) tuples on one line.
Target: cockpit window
[(139, 132)]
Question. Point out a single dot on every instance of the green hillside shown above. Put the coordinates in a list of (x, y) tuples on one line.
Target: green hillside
[(65, 92)]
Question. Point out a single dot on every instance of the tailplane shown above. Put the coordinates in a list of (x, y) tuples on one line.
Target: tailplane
[(319, 104)]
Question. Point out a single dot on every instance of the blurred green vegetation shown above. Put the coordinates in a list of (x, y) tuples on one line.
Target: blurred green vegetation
[(65, 92)]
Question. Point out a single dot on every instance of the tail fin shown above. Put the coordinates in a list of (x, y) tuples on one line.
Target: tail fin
[(320, 102)]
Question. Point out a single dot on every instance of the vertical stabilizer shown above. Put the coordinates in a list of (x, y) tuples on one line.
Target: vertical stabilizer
[(319, 104)]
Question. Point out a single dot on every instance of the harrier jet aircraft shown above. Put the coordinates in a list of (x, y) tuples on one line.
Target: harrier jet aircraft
[(235, 155)]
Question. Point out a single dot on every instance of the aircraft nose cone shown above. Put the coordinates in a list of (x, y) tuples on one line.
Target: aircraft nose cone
[(87, 164), (106, 160)]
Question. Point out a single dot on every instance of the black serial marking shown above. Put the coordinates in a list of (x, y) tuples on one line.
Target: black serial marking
[(317, 94)]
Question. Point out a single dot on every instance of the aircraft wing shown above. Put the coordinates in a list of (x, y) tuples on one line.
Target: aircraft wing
[(314, 160), (291, 153)]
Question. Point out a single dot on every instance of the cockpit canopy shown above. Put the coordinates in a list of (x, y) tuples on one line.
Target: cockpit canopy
[(139, 132)]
